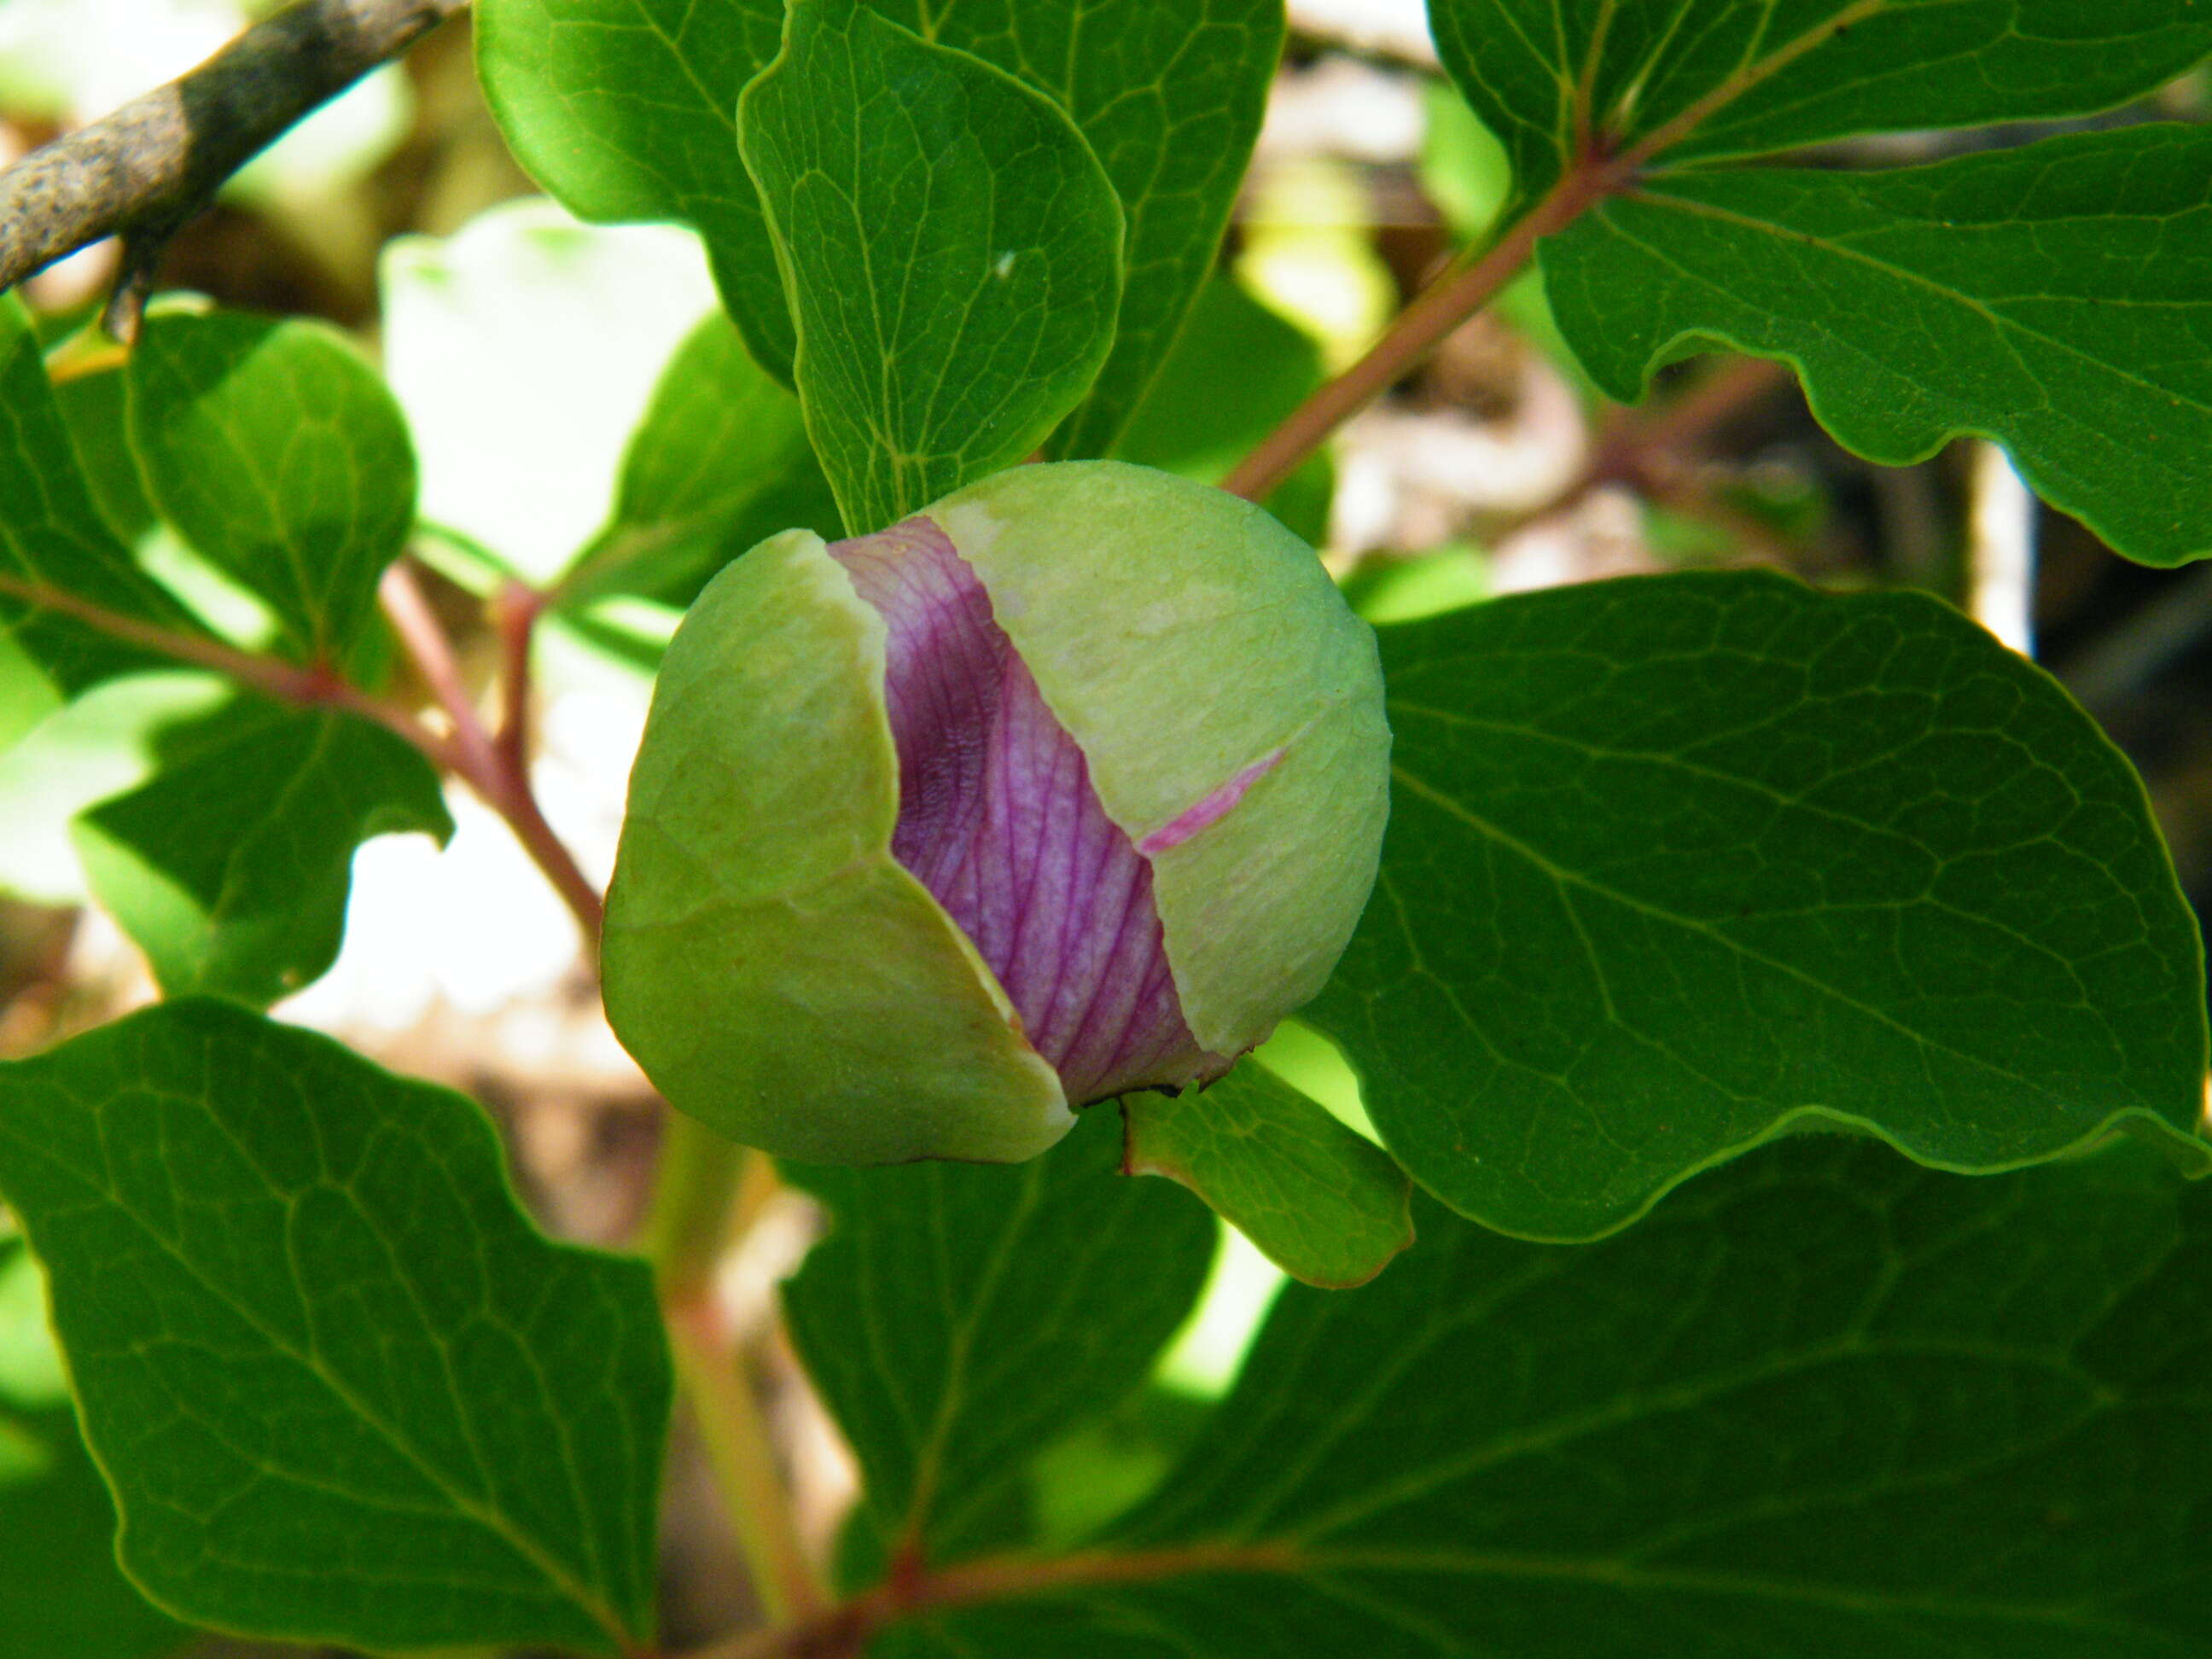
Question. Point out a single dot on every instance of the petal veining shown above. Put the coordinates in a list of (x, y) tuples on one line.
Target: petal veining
[(998, 818)]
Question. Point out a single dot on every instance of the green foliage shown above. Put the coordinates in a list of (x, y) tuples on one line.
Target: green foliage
[(932, 349), (627, 109), (1324, 1205), (1678, 867), (1708, 78), (1187, 427), (1820, 1404), (230, 867), (276, 452), (2057, 298), (1678, 862), (525, 348), (720, 461), (958, 1317), (623, 109), (342, 1389)]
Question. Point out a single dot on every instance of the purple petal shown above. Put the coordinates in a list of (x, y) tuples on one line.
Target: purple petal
[(998, 819)]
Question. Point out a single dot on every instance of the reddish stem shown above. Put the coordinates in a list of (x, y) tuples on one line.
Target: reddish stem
[(497, 772), (1419, 329), (312, 687), (515, 610)]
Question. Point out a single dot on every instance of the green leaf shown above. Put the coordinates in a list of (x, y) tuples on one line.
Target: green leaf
[(1683, 78), (276, 451), (1822, 1405), (342, 1390), (1187, 427), (1678, 863), (626, 110), (230, 868), (525, 348), (720, 461), (936, 347), (623, 109), (104, 743), (56, 546), (959, 1316), (2057, 298), (1170, 94), (61, 1594), (1323, 1205)]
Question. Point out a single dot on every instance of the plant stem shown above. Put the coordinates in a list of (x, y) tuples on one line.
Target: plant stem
[(843, 1631), (500, 776), (271, 676), (706, 1190), (144, 170), (1453, 298)]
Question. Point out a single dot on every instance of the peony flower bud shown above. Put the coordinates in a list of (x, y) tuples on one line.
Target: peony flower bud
[(1071, 785)]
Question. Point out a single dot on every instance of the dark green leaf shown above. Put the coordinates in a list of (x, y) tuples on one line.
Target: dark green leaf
[(1169, 93), (2057, 298), (230, 868), (1678, 862), (1323, 1205), (276, 452), (959, 1316), (1821, 1405), (934, 346), (54, 541), (61, 1596), (1556, 78), (720, 462), (622, 108), (342, 1389)]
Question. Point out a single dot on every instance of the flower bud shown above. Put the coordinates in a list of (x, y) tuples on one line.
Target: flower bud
[(1071, 785)]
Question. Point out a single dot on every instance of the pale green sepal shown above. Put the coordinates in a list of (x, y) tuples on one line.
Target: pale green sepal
[(769, 963), (1181, 635)]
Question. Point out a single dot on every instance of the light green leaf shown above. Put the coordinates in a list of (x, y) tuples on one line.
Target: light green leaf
[(61, 1595), (1821, 1405), (622, 108), (720, 461), (276, 451), (959, 1316), (1678, 863), (105, 742), (342, 1390), (2056, 298), (934, 346), (1324, 1205), (525, 350), (55, 544), (230, 868), (626, 110), (1556, 79)]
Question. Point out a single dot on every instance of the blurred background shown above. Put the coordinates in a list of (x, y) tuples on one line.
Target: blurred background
[(525, 348)]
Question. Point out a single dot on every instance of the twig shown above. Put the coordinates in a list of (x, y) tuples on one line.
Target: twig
[(145, 170), (515, 610), (309, 686), (1418, 329), (477, 757), (843, 1631)]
